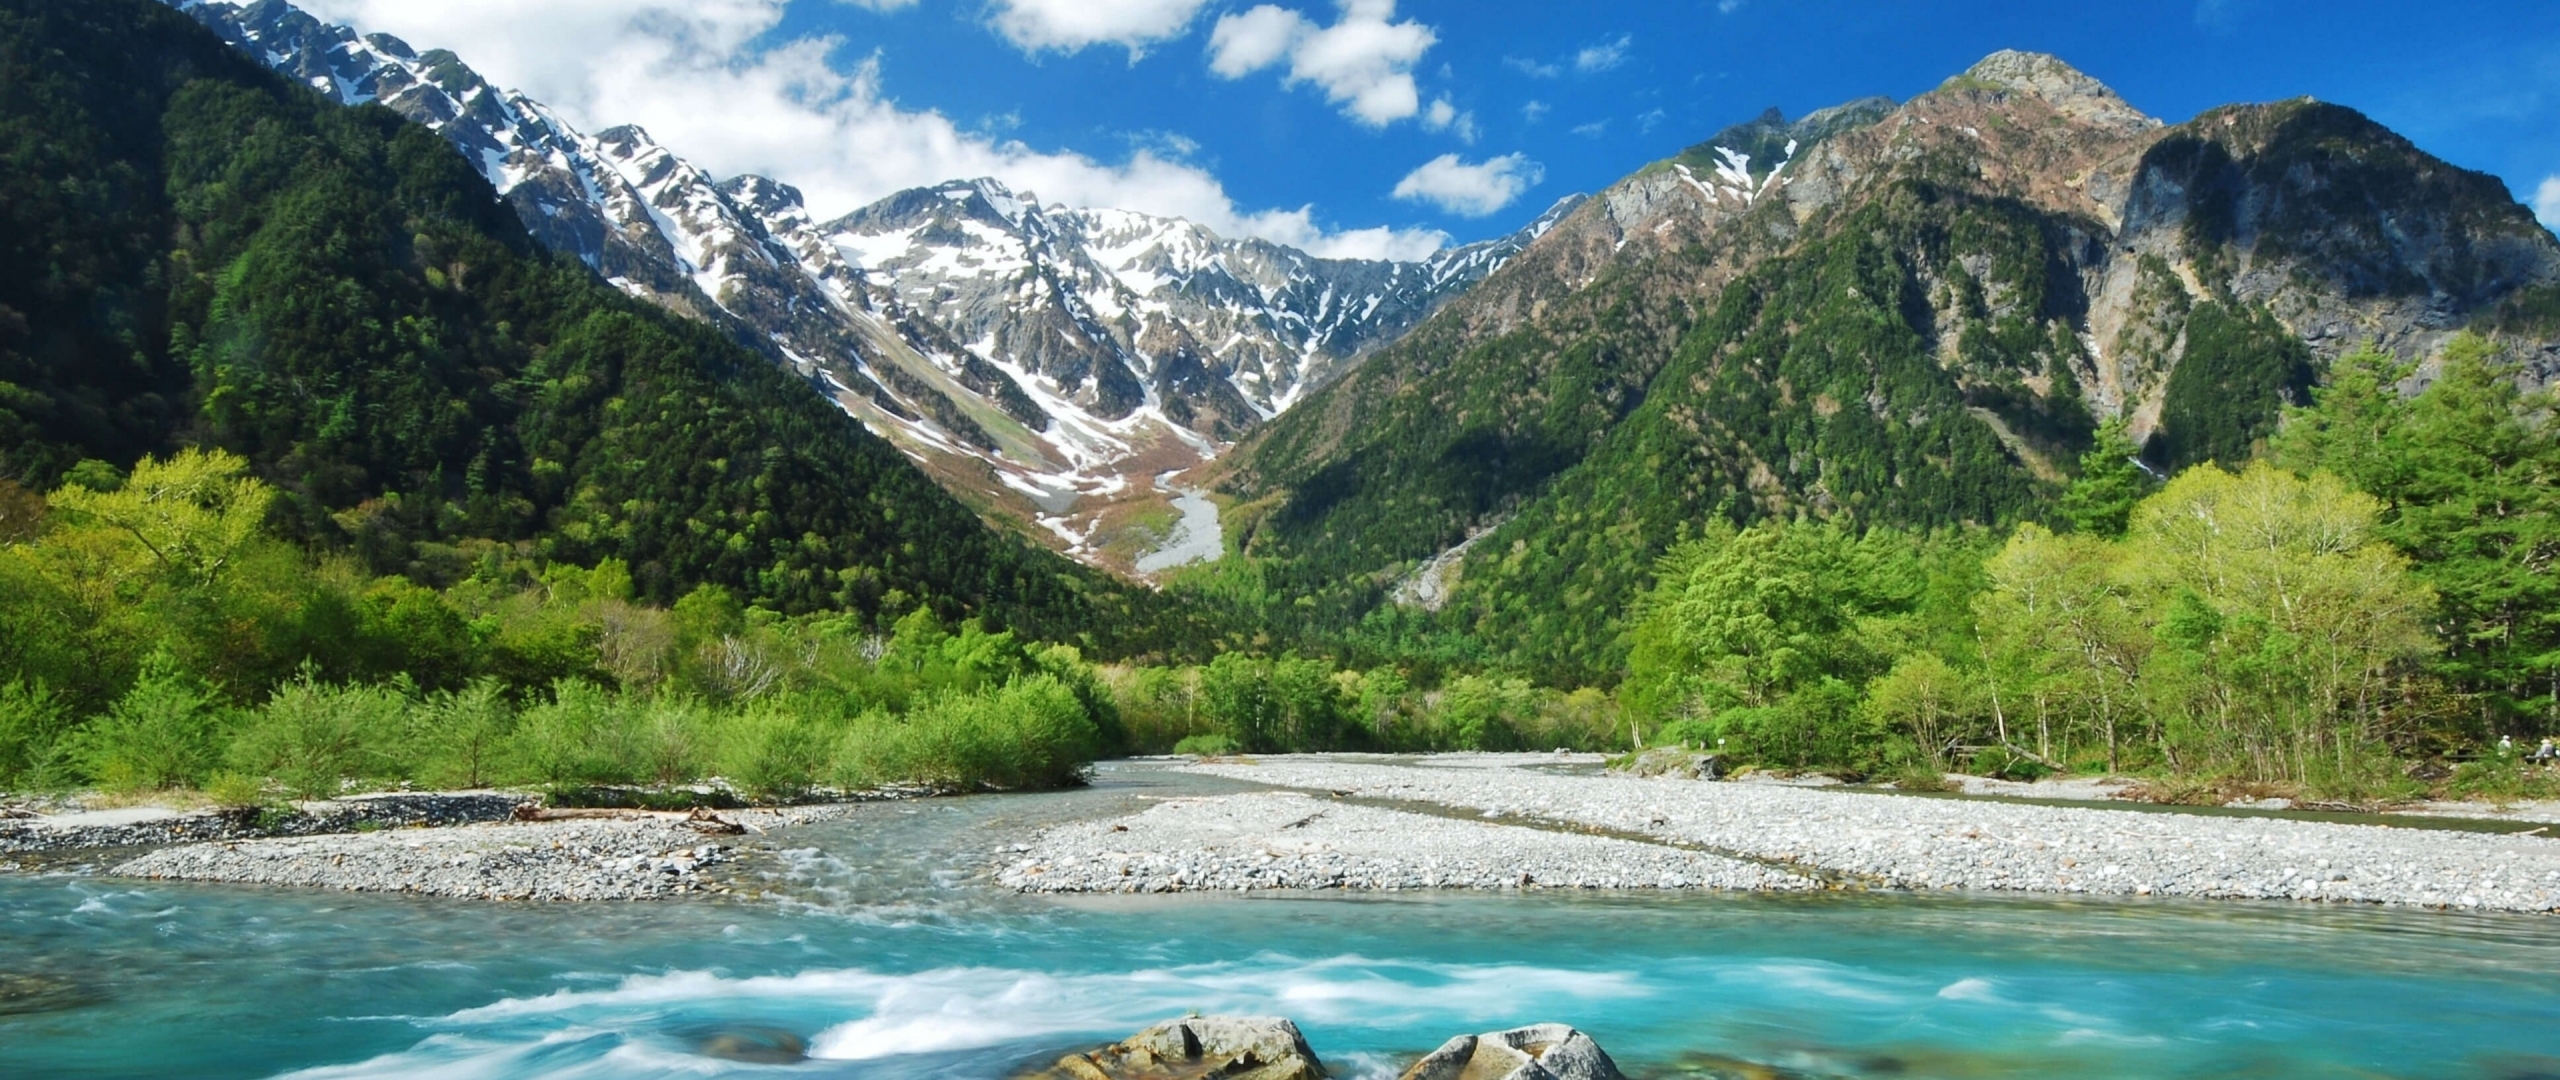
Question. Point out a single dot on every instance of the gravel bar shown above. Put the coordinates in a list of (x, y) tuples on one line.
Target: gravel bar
[(147, 827), (1906, 842), (594, 859), (1284, 840)]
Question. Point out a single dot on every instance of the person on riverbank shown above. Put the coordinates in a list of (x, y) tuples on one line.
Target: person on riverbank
[(2546, 753)]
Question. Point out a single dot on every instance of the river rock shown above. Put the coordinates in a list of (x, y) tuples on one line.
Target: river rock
[(1536, 1052), (1201, 1048), (1675, 761)]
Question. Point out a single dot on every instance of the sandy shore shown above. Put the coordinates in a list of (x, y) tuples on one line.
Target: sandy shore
[(1904, 842)]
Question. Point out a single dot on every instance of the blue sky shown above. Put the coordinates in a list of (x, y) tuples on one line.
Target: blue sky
[(1383, 127)]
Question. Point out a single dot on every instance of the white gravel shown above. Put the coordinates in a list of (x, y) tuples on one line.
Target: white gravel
[(609, 859), (1284, 840), (1907, 842)]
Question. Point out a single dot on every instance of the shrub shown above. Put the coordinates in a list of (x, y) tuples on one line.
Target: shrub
[(1031, 734), (1211, 745), (312, 737), (32, 721), (461, 738), (163, 733), (773, 750), (1999, 762), (578, 737)]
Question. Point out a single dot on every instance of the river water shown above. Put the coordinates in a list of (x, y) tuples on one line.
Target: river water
[(878, 944)]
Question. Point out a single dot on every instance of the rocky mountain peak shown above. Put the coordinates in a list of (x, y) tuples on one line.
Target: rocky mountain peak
[(2070, 91)]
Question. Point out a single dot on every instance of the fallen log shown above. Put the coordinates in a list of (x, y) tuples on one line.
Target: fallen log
[(701, 821)]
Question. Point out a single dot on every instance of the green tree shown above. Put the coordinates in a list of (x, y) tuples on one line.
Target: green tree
[(2468, 473), (2112, 479)]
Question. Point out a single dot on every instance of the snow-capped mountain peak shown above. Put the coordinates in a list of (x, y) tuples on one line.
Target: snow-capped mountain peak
[(1015, 348)]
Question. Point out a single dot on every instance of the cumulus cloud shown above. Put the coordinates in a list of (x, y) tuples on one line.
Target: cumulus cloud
[(1603, 56), (1443, 116), (1363, 62), (1471, 190), (787, 112), (2546, 202), (1069, 25)]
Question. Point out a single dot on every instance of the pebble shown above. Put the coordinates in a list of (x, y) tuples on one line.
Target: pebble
[(1284, 840), (1903, 842)]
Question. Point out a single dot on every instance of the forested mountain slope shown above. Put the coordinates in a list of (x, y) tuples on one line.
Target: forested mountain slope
[(1909, 316), (197, 251)]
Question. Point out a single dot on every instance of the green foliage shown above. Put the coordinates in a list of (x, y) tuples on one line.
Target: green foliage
[(32, 720), (1271, 705), (166, 732), (2468, 473), (2240, 370), (312, 737), (202, 252), (462, 736), (1210, 745), (1746, 619), (2111, 481), (1031, 733)]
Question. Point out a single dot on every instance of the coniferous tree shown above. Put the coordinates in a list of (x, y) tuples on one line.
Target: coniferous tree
[(2111, 481)]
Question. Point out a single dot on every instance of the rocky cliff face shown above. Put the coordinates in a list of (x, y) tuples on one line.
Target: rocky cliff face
[(1035, 359)]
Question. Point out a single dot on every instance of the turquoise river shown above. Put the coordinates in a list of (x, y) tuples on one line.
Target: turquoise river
[(877, 942)]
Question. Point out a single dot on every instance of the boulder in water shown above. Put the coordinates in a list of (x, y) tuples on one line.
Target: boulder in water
[(1536, 1052), (754, 1046), (1201, 1048)]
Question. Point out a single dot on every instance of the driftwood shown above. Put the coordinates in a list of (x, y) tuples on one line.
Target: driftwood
[(701, 821)]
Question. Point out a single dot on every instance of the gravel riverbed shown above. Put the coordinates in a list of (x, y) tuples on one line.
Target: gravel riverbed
[(1284, 840), (595, 859), (1906, 842), (24, 831)]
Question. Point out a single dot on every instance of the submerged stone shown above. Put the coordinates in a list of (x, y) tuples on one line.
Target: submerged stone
[(754, 1046)]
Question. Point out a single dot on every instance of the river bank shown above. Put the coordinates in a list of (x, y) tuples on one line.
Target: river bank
[(1451, 822), (1861, 839)]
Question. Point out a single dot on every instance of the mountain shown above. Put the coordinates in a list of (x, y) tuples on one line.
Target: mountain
[(201, 252), (1046, 364), (1909, 315)]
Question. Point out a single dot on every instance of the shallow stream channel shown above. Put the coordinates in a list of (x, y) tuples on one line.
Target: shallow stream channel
[(879, 946)]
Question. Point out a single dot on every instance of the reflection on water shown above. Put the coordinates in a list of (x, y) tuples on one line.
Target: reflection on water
[(879, 952)]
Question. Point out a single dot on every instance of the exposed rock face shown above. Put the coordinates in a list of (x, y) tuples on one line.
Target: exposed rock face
[(1201, 1048), (1536, 1052)]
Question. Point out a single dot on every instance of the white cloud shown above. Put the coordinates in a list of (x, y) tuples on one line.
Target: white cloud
[(1534, 111), (1443, 116), (1603, 56), (1364, 61), (1247, 43), (1531, 68), (1471, 190), (879, 5), (1651, 119), (1069, 25), (691, 73), (2546, 202), (1728, 7), (1592, 130)]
